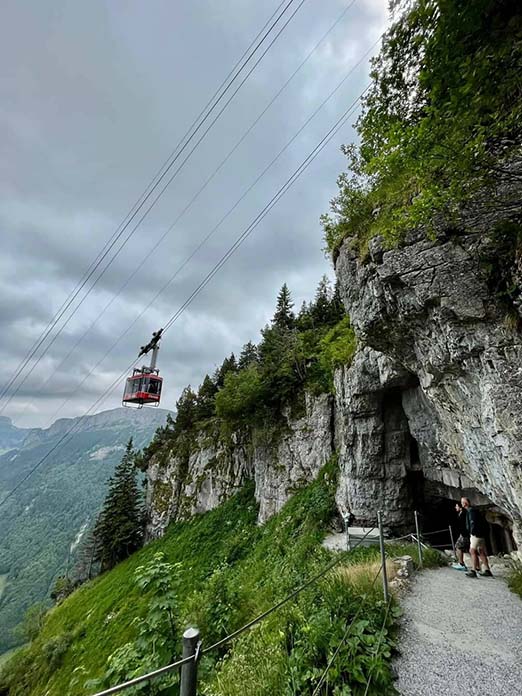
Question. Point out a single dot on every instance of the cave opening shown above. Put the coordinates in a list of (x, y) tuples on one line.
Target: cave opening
[(436, 506)]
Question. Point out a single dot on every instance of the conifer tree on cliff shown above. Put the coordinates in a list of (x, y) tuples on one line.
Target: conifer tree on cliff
[(284, 317), (119, 527)]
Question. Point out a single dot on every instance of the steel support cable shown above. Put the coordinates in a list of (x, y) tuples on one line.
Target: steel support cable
[(142, 198), (246, 233), (138, 203), (204, 240), (381, 636), (234, 634), (286, 186), (117, 236), (347, 631), (199, 192)]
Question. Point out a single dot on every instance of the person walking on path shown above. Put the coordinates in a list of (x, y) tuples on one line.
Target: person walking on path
[(477, 532), (462, 543)]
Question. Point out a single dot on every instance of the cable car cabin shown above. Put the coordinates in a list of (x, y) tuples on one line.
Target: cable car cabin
[(142, 388)]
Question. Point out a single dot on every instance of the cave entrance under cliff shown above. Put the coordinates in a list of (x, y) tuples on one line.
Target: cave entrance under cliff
[(436, 504)]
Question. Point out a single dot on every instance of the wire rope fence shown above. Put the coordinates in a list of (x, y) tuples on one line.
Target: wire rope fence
[(193, 649)]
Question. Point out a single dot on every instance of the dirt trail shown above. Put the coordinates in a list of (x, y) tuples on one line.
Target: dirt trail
[(460, 636)]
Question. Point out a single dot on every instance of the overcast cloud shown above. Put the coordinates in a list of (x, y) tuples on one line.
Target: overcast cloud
[(93, 98)]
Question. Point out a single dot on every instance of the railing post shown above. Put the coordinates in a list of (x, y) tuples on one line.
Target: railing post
[(452, 541), (189, 669), (419, 545), (383, 558)]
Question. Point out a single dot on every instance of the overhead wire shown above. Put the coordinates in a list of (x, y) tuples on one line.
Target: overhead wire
[(144, 260), (123, 228), (246, 627), (217, 267), (212, 232)]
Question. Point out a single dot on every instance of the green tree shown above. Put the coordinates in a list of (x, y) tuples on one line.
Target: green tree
[(242, 395), (119, 527), (248, 356), (284, 317), (205, 403), (441, 122), (186, 411), (228, 365)]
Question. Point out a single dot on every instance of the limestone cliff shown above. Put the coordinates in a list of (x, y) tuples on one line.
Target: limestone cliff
[(442, 370), (279, 461), (430, 406)]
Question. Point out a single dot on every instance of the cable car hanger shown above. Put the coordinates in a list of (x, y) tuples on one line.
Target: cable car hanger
[(143, 387)]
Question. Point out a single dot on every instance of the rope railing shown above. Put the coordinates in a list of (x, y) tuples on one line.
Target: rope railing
[(437, 531), (189, 662), (346, 633), (193, 658), (377, 647)]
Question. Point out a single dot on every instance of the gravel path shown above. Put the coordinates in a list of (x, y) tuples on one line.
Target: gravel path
[(460, 636)]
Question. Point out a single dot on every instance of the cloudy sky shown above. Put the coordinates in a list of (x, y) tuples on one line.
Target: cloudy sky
[(93, 99)]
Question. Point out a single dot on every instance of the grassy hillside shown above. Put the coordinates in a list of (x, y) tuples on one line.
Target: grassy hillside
[(218, 571)]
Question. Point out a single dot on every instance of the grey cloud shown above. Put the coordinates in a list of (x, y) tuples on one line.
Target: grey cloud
[(94, 99)]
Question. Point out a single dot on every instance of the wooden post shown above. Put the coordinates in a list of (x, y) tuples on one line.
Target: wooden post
[(189, 669), (383, 558), (419, 545)]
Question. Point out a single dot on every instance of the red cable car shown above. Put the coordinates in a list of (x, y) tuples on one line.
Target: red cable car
[(144, 385)]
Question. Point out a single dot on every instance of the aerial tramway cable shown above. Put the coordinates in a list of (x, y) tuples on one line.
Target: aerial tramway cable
[(217, 267), (210, 234), (129, 218), (196, 196)]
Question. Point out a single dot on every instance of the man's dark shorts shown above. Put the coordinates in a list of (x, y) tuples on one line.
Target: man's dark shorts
[(463, 543)]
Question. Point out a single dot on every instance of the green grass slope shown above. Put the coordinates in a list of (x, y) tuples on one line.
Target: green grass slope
[(224, 570)]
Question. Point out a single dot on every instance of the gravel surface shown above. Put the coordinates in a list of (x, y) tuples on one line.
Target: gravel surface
[(460, 636)]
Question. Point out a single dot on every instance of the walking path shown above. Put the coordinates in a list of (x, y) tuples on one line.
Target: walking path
[(460, 636)]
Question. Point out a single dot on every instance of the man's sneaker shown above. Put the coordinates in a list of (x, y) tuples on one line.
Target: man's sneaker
[(486, 573), (458, 566), (471, 574)]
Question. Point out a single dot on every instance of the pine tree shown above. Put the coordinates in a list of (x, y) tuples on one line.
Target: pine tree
[(248, 356), (304, 319), (186, 411), (206, 398), (119, 527), (322, 302), (228, 365), (284, 317)]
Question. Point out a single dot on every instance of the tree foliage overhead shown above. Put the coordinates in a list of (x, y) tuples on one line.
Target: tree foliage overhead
[(440, 123)]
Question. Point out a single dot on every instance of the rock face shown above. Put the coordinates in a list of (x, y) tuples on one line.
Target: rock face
[(441, 357), (279, 462), (432, 402)]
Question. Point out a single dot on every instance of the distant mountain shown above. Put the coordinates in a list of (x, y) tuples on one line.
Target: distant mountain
[(48, 513), (10, 435)]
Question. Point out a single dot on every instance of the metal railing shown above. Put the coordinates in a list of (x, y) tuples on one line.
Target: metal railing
[(192, 643)]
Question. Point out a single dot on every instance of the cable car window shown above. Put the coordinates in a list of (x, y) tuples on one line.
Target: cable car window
[(153, 386)]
